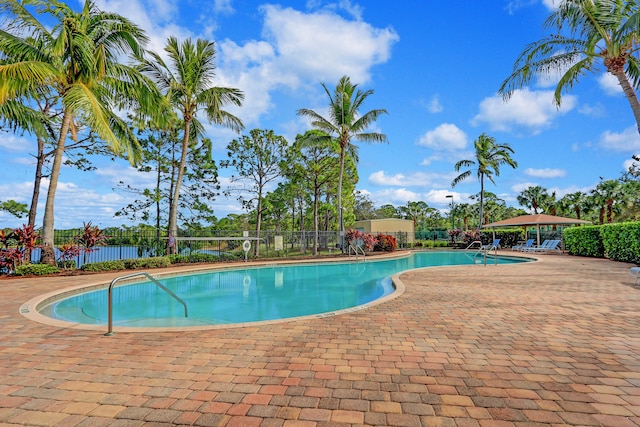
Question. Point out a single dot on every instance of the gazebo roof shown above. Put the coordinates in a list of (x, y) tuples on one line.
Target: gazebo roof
[(537, 219)]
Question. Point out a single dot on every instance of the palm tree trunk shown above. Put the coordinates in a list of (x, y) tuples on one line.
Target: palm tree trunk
[(173, 209), (314, 250), (48, 255), (628, 92), (340, 176), (35, 195), (258, 221), (36, 183), (481, 201)]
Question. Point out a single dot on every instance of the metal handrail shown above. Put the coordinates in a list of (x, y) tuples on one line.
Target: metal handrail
[(151, 278), (355, 249), (473, 243)]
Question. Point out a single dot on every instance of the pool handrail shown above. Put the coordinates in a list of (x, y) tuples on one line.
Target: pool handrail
[(130, 276), (357, 249)]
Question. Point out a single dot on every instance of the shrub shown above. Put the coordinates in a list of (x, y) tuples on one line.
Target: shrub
[(68, 264), (154, 262), (68, 251), (35, 270), (385, 243), (366, 240), (198, 257), (104, 266), (621, 242), (193, 257), (584, 241)]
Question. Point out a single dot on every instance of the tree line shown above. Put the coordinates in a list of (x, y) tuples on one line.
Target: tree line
[(82, 83), (75, 78)]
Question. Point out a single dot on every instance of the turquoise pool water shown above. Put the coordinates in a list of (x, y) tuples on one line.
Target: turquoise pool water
[(250, 294)]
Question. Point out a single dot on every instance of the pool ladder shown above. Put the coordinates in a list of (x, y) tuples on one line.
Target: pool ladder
[(152, 279), (357, 249), (482, 251)]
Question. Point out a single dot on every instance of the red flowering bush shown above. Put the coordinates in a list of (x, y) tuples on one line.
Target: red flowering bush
[(386, 243), (455, 234), (14, 246), (91, 237), (472, 236), (68, 252), (358, 238)]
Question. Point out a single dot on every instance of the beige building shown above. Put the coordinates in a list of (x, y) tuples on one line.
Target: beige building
[(393, 226)]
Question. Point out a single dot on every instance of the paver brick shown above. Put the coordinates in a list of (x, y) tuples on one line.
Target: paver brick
[(450, 351)]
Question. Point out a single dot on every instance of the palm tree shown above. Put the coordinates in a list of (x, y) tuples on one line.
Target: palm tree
[(574, 201), (464, 211), (415, 211), (187, 83), (345, 122), (606, 194), (489, 156), (532, 197), (78, 60), (589, 33)]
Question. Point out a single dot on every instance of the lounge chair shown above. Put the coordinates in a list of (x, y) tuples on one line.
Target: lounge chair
[(527, 244), (492, 246), (533, 248), (551, 246)]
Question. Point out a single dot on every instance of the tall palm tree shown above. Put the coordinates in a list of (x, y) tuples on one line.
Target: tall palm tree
[(346, 122), (78, 60), (607, 193), (589, 33), (532, 197), (415, 211), (489, 156), (575, 201), (187, 82)]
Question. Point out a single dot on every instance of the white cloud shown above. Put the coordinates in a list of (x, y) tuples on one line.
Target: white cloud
[(323, 46), (531, 109), (631, 163), (446, 137), (551, 4), (415, 179), (223, 6), (514, 5), (517, 188), (610, 85), (300, 49), (428, 160), (434, 105), (626, 141), (394, 196), (545, 173), (16, 144), (127, 174), (156, 17), (595, 110)]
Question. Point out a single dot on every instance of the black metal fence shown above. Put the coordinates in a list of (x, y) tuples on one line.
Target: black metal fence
[(127, 244)]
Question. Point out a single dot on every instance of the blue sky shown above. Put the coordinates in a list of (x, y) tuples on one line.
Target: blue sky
[(434, 66)]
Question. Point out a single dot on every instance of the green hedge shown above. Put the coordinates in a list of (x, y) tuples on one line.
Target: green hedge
[(154, 262), (193, 257), (622, 241), (618, 242), (35, 270), (584, 241), (104, 266)]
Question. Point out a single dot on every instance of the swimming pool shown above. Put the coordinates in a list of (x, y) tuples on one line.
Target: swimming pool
[(246, 295)]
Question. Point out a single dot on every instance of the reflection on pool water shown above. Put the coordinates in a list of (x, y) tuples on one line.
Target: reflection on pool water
[(250, 294)]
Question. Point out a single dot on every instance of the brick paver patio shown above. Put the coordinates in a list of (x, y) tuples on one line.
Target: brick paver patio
[(555, 342)]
